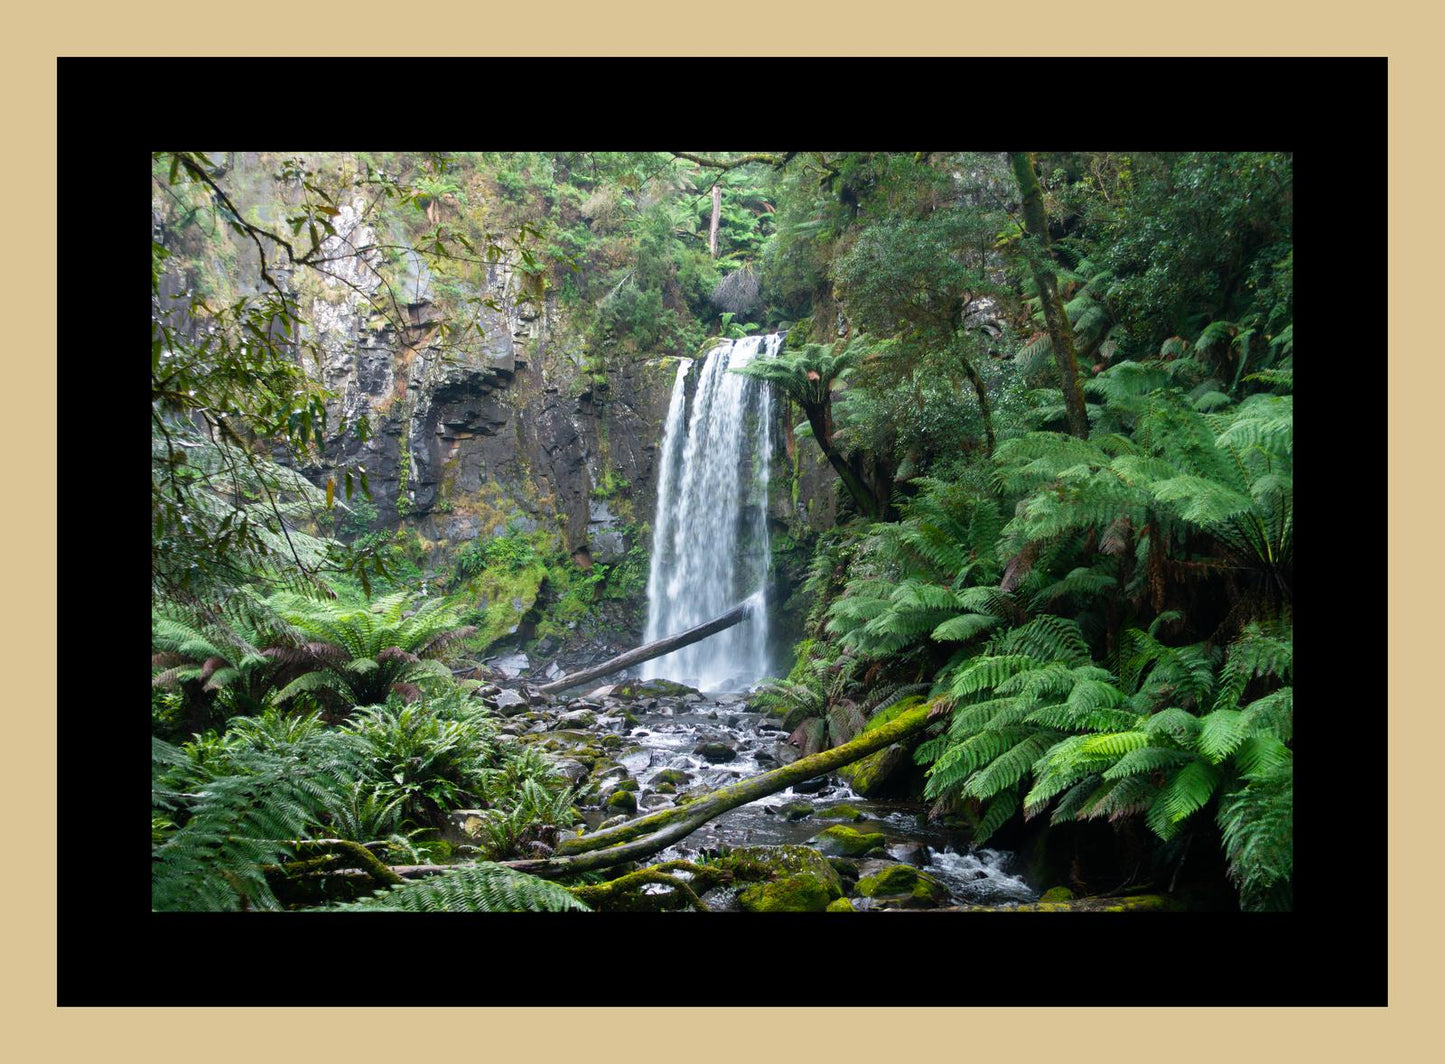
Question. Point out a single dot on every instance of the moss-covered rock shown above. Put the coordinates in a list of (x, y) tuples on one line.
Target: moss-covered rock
[(651, 689), (903, 884), (623, 801), (869, 776), (840, 905), (627, 785), (762, 862), (665, 788), (842, 812), (802, 893), (798, 878), (1057, 894), (672, 775), (846, 842), (797, 810), (610, 742)]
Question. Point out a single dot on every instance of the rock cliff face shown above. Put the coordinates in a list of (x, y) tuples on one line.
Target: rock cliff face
[(509, 428), (504, 422), (508, 424), (505, 425)]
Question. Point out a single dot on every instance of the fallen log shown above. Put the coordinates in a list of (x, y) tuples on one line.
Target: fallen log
[(336, 856), (656, 831), (648, 651)]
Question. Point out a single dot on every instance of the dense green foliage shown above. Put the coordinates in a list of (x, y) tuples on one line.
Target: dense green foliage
[(1097, 604), (1107, 621)]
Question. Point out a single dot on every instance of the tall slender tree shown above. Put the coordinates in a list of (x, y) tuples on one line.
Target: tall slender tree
[(1061, 335)]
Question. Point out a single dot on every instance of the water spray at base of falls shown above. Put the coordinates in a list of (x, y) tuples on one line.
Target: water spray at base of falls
[(710, 546)]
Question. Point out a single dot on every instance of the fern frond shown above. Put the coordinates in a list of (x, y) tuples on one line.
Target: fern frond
[(1186, 791), (483, 887), (1257, 821), (995, 815), (1147, 759)]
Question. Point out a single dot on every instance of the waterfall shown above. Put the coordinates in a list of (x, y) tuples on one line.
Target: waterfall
[(710, 533)]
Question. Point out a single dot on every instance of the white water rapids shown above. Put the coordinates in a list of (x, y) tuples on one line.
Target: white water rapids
[(710, 532)]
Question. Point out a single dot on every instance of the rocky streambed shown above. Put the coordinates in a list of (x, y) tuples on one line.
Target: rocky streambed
[(634, 748)]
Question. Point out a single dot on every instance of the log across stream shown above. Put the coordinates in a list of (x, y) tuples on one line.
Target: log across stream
[(677, 746)]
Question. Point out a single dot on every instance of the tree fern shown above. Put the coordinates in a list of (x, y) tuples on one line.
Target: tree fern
[(360, 654)]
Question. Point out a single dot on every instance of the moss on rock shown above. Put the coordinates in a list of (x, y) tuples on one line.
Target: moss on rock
[(846, 842), (624, 801), (1057, 894), (651, 689), (797, 810), (840, 905), (905, 883), (869, 776), (782, 862), (802, 893)]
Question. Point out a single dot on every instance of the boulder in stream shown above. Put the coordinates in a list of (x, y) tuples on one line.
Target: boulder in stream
[(870, 776), (621, 801), (846, 842), (632, 689), (902, 886), (715, 751), (802, 880)]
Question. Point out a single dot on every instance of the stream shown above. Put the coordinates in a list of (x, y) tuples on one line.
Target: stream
[(671, 735), (654, 743)]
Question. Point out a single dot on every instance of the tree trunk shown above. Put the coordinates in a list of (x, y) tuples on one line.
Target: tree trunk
[(656, 831), (648, 651), (716, 215), (1061, 335), (820, 420), (981, 391)]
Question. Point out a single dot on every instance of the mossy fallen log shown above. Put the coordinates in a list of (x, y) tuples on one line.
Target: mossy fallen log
[(623, 893), (648, 834), (351, 853)]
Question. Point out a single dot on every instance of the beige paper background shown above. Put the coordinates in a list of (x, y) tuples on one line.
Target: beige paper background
[(35, 34)]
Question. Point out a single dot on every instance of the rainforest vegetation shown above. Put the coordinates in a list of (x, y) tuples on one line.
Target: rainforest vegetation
[(1047, 589)]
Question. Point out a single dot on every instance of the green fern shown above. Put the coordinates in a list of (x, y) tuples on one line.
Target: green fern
[(482, 887), (237, 822), (1257, 821), (362, 654)]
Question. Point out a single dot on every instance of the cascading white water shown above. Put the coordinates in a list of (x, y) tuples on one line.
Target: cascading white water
[(710, 532)]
